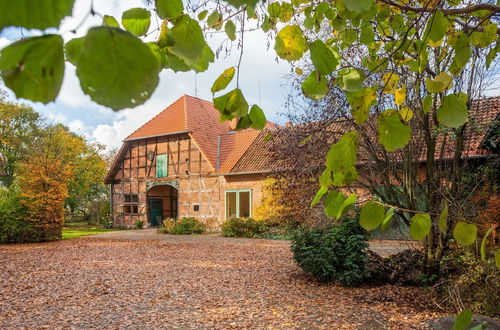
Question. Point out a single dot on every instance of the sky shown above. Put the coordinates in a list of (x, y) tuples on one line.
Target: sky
[(262, 80)]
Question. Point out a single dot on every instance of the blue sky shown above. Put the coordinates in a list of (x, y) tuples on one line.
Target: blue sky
[(261, 78)]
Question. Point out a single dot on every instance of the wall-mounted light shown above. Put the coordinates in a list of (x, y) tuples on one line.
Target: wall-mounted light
[(151, 155)]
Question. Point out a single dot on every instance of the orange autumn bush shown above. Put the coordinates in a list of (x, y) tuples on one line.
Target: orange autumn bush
[(43, 180)]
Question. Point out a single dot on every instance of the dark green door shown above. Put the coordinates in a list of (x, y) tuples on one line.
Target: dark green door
[(156, 211)]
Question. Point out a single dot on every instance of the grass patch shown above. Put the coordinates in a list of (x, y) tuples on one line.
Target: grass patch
[(72, 231)]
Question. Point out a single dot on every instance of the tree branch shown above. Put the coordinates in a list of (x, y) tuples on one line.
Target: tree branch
[(451, 11)]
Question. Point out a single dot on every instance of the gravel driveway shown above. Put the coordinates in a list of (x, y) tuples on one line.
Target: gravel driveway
[(140, 279)]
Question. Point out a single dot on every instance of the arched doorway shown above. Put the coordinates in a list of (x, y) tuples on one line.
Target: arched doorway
[(162, 204)]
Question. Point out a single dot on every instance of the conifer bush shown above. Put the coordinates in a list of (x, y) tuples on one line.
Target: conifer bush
[(334, 253)]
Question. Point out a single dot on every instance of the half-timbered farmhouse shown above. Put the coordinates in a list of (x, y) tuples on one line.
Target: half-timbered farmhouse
[(184, 163)]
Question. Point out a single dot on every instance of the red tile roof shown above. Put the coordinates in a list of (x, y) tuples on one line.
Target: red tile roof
[(260, 156), (221, 146)]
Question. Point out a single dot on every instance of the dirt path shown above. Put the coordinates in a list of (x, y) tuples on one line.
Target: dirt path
[(146, 280)]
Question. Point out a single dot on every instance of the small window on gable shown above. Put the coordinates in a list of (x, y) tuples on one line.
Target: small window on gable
[(196, 207), (161, 166)]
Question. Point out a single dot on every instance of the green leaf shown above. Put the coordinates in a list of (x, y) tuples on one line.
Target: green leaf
[(290, 43), (336, 204), (462, 50), (174, 62), (274, 10), (239, 3), (231, 105), (392, 133), (367, 35), (359, 6), (169, 8), (223, 80), (326, 178), (201, 63), (34, 67), (427, 103), (188, 37), (420, 226), (350, 80), (34, 14), (341, 159), (321, 192), (109, 21), (230, 29), (116, 69), (463, 320), (243, 123), (325, 58), (388, 216), (202, 15), (441, 83), (73, 49), (286, 12), (453, 111), (437, 26), (465, 233), (492, 54), (372, 215), (315, 86), (443, 220), (333, 201), (497, 258), (258, 117), (484, 242), (346, 205), (214, 20), (136, 21), (361, 103), (486, 37)]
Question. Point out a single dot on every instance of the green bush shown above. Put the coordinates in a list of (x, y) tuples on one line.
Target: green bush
[(13, 227), (184, 226), (139, 224), (469, 282), (243, 227), (336, 253)]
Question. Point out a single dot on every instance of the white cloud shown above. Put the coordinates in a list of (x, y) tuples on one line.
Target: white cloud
[(76, 110)]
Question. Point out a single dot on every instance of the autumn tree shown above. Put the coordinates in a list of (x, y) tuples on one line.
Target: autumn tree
[(414, 70), (18, 125), (46, 176)]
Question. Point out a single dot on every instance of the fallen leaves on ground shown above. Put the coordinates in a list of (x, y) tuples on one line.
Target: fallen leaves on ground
[(188, 282)]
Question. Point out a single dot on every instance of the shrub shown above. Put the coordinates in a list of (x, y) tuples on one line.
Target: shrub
[(139, 224), (335, 253), (243, 227), (469, 282), (184, 226), (13, 226)]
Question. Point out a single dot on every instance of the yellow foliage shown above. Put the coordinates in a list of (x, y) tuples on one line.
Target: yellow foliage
[(43, 179), (271, 207)]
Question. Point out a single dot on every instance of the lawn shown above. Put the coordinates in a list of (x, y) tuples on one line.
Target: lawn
[(79, 229)]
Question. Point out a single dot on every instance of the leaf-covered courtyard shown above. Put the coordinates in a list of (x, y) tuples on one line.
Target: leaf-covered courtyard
[(143, 280)]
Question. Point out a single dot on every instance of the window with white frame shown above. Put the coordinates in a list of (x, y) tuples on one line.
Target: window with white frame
[(238, 203)]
